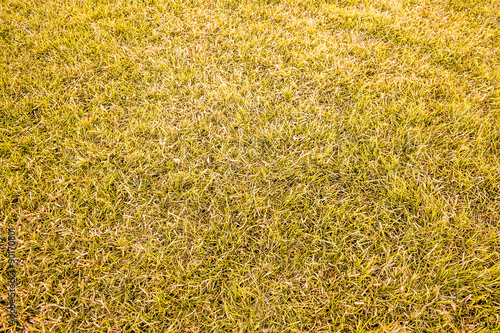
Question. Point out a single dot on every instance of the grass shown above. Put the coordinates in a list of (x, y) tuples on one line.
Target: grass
[(252, 166)]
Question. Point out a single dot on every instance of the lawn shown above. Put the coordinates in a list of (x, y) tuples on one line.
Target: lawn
[(251, 166)]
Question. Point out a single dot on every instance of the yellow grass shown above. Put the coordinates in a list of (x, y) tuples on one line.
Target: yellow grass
[(251, 166)]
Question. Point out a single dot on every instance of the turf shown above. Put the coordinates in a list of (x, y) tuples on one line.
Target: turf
[(252, 166)]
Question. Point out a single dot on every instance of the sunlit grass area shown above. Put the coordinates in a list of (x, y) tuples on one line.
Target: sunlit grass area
[(251, 166)]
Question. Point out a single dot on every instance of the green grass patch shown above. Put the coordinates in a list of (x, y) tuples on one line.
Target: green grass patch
[(252, 166)]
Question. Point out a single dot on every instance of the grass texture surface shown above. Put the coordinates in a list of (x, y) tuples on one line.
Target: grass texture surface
[(251, 166)]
